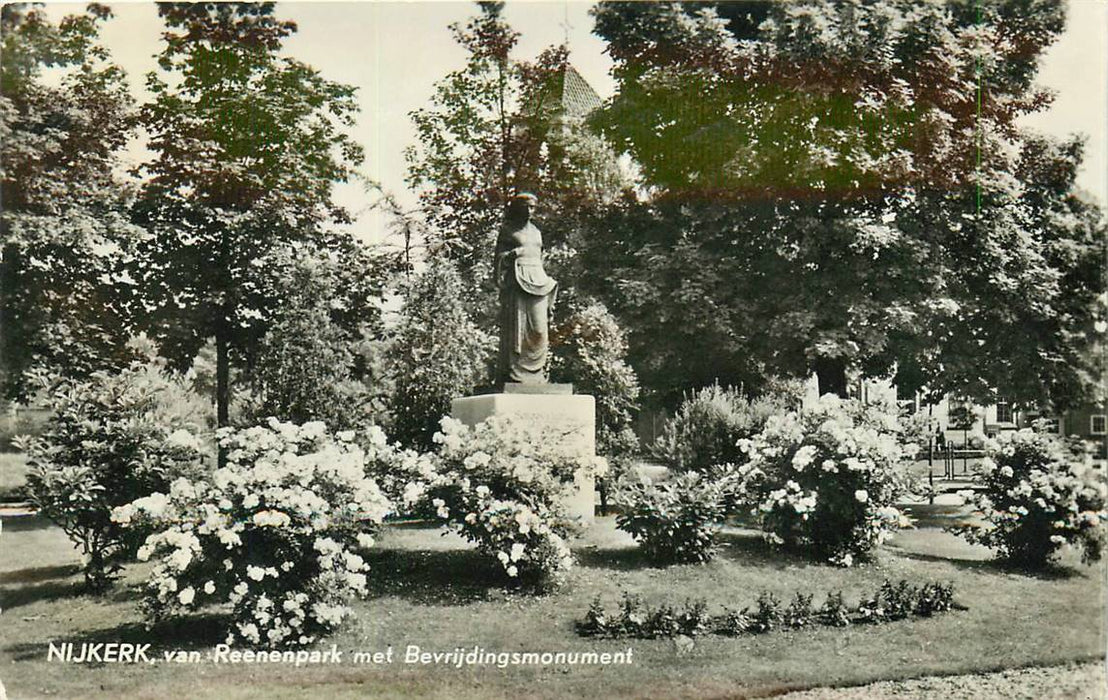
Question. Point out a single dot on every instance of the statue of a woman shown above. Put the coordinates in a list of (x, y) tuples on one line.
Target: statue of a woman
[(526, 296)]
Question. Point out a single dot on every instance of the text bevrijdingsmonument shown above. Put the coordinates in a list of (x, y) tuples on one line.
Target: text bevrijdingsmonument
[(458, 657)]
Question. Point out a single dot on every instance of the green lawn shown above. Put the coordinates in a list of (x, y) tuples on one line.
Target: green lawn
[(432, 592)]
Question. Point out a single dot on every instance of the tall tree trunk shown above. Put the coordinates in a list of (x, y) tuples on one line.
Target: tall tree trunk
[(831, 374)]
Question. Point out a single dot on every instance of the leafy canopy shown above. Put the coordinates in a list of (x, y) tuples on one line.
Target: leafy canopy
[(838, 185), (248, 145), (64, 110)]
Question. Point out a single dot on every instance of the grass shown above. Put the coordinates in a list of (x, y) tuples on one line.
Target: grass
[(434, 592), (13, 476)]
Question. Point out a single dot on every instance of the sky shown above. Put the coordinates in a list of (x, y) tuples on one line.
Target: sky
[(394, 52)]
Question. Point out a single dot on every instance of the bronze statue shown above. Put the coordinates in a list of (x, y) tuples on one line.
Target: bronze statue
[(526, 296)]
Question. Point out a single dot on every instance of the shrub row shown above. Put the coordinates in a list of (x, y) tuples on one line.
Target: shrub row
[(889, 603)]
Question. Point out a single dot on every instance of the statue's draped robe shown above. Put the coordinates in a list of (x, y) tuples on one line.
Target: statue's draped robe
[(526, 297)]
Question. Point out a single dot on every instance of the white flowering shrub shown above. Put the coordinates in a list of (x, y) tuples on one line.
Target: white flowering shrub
[(273, 535), (500, 487), (401, 473), (825, 479), (1039, 494)]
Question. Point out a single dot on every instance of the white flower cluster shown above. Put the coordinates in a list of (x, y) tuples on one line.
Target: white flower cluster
[(501, 488), (272, 534), (402, 474), (841, 455), (1038, 495)]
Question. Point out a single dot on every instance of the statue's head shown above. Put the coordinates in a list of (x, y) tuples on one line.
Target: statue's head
[(521, 205)]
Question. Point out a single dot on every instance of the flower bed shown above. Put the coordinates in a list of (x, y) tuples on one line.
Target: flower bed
[(889, 603)]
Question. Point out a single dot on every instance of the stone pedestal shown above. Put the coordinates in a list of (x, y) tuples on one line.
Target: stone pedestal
[(568, 419)]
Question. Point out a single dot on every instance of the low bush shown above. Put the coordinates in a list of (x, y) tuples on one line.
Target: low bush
[(833, 612), (897, 602), (934, 598), (766, 615), (825, 479), (732, 623), (502, 487), (273, 535), (1039, 493), (890, 602), (675, 521), (705, 429), (110, 439), (637, 620), (799, 612)]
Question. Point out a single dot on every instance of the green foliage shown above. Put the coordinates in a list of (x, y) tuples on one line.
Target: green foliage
[(834, 612), (437, 353), (934, 598), (636, 619), (705, 430), (641, 621), (307, 367), (806, 217), (798, 613), (766, 616), (1038, 494), (896, 602), (676, 521), (461, 166), (588, 350), (247, 145), (808, 74), (111, 439), (732, 623), (595, 622), (64, 115)]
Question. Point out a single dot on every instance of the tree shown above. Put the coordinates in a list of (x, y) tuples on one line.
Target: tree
[(437, 353), (496, 126), (248, 145), (64, 291), (836, 185), (308, 366)]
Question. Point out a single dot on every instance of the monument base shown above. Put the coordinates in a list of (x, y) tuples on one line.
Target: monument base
[(568, 419), (520, 388)]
